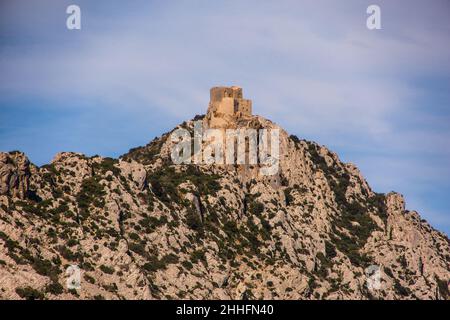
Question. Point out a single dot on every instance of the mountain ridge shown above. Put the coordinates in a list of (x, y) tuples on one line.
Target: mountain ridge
[(140, 227)]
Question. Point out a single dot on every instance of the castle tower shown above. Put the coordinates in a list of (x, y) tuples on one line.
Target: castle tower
[(226, 105)]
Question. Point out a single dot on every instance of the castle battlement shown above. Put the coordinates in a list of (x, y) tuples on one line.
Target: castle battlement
[(227, 103)]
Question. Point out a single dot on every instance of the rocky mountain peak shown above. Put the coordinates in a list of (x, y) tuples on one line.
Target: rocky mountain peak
[(142, 227)]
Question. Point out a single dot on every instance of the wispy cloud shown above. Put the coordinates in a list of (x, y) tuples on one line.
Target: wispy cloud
[(379, 98)]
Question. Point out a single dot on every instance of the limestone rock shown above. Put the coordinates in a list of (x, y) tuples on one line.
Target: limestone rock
[(14, 174), (140, 227)]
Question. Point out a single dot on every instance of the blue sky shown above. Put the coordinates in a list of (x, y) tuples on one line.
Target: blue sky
[(380, 99)]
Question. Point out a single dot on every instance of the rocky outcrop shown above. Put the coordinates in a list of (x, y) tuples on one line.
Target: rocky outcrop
[(135, 172), (14, 174)]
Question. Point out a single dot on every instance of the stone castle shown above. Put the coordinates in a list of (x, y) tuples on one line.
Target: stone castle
[(226, 105)]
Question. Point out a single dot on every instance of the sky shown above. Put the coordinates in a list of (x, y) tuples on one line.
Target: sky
[(378, 98)]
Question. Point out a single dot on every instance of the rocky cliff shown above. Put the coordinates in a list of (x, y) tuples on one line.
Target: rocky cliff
[(140, 227)]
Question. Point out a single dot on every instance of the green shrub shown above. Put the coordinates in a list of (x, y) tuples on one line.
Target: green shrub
[(231, 229), (106, 269), (151, 267), (294, 138), (44, 267), (107, 164), (325, 264), (165, 182), (317, 158), (146, 154), (72, 242), (170, 259), (288, 196), (29, 293), (68, 254), (138, 248), (89, 278), (401, 290), (198, 255), (193, 221), (54, 288), (151, 223), (356, 220), (154, 264), (187, 265), (330, 250), (256, 208), (134, 236), (91, 192), (443, 288)]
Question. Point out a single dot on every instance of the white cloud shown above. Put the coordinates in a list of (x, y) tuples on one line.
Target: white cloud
[(312, 66)]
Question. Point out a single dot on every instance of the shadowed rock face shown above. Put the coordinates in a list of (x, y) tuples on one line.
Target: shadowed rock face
[(140, 227), (14, 174)]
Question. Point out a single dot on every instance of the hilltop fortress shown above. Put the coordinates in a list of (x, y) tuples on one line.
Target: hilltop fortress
[(226, 106), (141, 226)]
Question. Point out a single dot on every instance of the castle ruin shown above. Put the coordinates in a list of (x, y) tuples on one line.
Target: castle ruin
[(227, 104)]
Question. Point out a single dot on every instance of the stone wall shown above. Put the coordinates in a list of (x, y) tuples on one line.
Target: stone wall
[(227, 105)]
